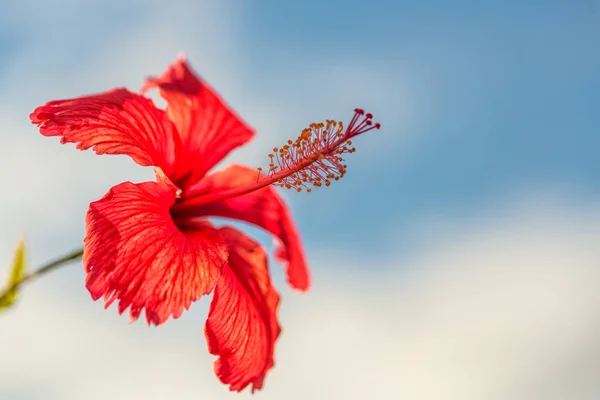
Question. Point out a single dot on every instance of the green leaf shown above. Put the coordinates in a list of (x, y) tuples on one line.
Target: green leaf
[(17, 272)]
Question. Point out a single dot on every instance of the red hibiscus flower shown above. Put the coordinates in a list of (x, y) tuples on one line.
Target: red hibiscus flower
[(150, 246)]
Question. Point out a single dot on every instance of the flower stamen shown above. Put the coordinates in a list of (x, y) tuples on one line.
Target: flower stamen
[(313, 159)]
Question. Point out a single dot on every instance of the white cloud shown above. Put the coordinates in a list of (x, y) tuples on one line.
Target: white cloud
[(505, 307)]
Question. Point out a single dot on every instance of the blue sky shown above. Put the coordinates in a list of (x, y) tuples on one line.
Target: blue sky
[(510, 92), (487, 158)]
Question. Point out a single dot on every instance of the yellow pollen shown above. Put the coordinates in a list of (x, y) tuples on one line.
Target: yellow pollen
[(314, 158)]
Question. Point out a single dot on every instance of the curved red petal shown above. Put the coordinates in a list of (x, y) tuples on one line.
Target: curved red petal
[(263, 207), (242, 322), (113, 122), (134, 253), (208, 128)]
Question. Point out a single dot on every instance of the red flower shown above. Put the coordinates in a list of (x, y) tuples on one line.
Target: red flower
[(150, 246)]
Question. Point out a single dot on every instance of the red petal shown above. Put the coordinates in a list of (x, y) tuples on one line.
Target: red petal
[(113, 122), (208, 128), (134, 253), (263, 207), (242, 322)]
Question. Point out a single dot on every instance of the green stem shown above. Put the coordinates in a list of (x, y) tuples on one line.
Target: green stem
[(75, 255)]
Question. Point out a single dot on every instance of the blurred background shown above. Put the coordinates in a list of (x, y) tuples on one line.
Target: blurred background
[(458, 259)]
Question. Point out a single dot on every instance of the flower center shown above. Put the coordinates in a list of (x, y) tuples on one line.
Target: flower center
[(314, 158)]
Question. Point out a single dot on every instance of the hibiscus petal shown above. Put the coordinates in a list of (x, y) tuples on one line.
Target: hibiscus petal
[(242, 322), (208, 128), (134, 253), (263, 207), (113, 122)]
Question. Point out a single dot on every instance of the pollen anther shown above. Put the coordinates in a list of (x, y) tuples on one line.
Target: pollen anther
[(315, 157)]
